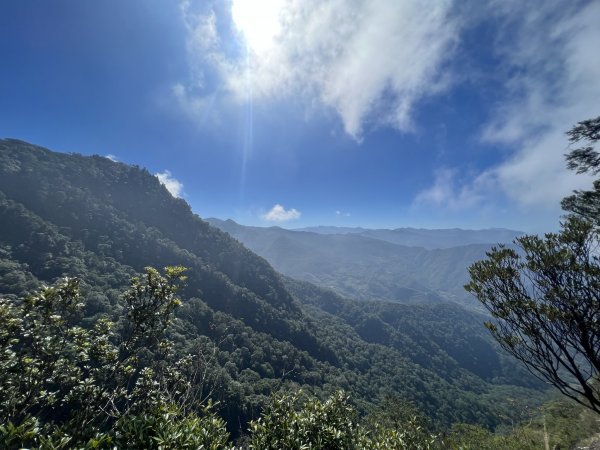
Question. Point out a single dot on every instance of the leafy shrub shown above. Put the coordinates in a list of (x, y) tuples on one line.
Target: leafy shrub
[(65, 386)]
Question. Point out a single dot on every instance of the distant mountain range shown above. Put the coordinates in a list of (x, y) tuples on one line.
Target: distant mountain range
[(429, 239), (375, 264)]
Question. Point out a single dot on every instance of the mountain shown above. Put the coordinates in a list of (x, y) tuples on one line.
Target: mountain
[(359, 266), (429, 239), (103, 221), (322, 229)]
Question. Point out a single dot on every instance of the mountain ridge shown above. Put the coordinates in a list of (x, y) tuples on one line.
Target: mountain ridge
[(357, 265), (493, 235)]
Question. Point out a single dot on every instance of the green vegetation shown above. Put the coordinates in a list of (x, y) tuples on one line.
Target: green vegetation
[(65, 386), (547, 306), (69, 387)]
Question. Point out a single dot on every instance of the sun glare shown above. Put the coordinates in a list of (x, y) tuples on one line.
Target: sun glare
[(258, 21)]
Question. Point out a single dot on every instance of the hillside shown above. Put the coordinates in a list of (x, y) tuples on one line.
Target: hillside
[(362, 266), (101, 221)]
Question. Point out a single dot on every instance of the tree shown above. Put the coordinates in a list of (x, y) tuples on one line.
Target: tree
[(545, 294), (296, 421)]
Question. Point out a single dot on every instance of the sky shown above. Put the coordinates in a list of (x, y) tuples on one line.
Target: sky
[(373, 113)]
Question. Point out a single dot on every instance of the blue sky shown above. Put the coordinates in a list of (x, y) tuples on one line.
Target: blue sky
[(375, 113)]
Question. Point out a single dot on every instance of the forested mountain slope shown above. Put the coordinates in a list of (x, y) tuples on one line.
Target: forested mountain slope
[(89, 217), (359, 266)]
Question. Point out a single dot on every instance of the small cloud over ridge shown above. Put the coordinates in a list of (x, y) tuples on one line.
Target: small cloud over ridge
[(279, 214)]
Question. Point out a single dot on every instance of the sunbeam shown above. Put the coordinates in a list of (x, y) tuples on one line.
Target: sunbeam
[(258, 21)]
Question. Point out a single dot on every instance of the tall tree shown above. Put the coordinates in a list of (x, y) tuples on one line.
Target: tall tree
[(545, 295)]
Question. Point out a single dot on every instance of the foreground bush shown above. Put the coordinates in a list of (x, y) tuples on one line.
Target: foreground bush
[(295, 422), (64, 386)]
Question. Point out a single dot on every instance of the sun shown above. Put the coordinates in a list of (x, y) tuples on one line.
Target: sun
[(258, 21)]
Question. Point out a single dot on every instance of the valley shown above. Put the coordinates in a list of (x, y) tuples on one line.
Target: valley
[(375, 264)]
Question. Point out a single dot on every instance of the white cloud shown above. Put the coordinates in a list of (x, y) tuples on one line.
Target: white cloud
[(112, 157), (174, 186), (368, 60), (279, 214)]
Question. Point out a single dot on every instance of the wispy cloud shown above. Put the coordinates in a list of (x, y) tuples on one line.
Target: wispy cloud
[(368, 60), (449, 192), (342, 213), (279, 214), (553, 54), (549, 52), (112, 157), (174, 186)]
